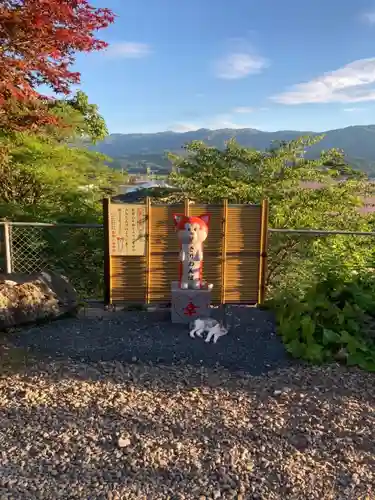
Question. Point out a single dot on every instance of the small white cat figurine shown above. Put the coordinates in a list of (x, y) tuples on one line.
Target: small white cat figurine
[(209, 325)]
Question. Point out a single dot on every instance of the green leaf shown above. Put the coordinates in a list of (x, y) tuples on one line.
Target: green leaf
[(296, 348), (345, 337), (308, 329), (341, 318), (356, 358), (355, 345), (330, 337), (368, 365), (314, 353)]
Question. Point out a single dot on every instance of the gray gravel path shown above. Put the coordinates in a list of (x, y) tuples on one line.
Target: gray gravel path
[(251, 346), (108, 431)]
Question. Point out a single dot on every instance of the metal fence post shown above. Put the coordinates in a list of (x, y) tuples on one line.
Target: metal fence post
[(7, 248)]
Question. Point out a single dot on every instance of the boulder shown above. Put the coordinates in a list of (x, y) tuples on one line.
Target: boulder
[(30, 298)]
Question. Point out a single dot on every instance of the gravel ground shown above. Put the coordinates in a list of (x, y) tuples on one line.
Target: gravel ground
[(251, 345), (108, 430), (127, 406)]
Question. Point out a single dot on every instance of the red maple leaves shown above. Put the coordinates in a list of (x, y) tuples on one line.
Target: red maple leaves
[(38, 43)]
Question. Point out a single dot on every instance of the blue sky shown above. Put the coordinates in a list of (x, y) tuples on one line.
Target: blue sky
[(183, 65)]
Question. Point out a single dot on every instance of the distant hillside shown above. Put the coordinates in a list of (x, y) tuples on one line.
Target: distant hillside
[(136, 152)]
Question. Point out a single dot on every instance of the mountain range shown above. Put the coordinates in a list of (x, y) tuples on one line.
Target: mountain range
[(137, 152)]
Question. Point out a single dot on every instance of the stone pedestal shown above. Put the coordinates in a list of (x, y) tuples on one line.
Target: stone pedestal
[(188, 305)]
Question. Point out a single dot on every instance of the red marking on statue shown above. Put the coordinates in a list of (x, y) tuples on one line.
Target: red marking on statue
[(190, 309)]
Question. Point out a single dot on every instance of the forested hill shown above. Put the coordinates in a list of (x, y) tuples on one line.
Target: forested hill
[(139, 151)]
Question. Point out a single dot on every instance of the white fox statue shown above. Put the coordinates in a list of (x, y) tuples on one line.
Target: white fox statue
[(191, 233)]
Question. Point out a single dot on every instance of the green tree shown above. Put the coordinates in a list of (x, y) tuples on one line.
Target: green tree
[(79, 119), (50, 177), (282, 175), (41, 179)]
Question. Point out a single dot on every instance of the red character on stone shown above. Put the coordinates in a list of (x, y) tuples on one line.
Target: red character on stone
[(190, 309)]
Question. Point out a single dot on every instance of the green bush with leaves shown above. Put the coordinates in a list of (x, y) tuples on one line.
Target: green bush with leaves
[(332, 320)]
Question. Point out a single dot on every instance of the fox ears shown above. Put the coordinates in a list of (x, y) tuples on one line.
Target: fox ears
[(178, 217), (205, 218)]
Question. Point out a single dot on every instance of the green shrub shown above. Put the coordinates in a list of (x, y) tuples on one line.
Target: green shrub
[(332, 320)]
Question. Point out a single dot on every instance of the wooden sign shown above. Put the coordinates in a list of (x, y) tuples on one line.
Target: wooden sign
[(127, 229)]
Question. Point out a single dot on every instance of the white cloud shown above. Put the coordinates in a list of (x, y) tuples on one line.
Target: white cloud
[(354, 82), (214, 123), (183, 127), (352, 110), (128, 50), (240, 64), (224, 121), (243, 110), (369, 17)]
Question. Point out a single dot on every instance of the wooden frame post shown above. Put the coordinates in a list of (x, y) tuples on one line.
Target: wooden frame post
[(7, 248), (107, 255), (187, 207), (224, 251), (148, 248), (263, 252)]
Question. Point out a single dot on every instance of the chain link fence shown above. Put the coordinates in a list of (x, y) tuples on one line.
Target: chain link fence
[(295, 257), (76, 251)]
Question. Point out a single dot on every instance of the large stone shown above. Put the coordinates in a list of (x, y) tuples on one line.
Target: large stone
[(187, 305), (30, 298)]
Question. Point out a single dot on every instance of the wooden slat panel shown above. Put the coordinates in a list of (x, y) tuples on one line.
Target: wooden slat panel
[(242, 279), (128, 278), (212, 274), (263, 253), (163, 236), (164, 270), (164, 252), (148, 248), (214, 239), (244, 228), (224, 238), (131, 283)]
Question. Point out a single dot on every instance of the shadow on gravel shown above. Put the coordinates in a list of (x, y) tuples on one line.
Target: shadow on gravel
[(251, 346), (238, 439), (187, 425)]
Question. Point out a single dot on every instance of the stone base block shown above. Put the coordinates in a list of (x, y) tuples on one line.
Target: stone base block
[(188, 305)]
